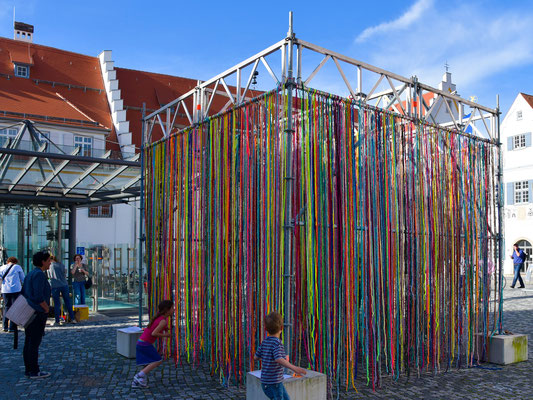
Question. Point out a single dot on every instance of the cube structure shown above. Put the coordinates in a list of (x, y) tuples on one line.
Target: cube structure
[(311, 386), (127, 340)]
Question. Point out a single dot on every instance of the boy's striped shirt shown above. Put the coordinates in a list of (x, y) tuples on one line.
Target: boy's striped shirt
[(269, 351)]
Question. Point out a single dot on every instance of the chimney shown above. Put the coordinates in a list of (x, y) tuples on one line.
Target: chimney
[(23, 32)]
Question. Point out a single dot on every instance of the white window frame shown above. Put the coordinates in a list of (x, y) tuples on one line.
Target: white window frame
[(521, 192), (22, 71), (86, 144), (8, 132), (519, 142), (519, 115)]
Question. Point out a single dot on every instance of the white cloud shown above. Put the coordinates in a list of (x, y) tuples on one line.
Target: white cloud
[(413, 14), (478, 43)]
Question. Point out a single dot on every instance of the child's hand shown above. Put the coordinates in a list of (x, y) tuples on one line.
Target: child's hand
[(299, 371), (287, 358)]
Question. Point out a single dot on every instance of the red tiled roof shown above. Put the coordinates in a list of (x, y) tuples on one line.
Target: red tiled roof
[(156, 90), (21, 54), (427, 99), (528, 98), (63, 88)]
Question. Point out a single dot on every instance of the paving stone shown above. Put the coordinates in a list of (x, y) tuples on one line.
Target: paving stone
[(84, 365)]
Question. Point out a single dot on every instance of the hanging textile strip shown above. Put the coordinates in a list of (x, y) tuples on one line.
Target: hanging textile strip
[(392, 250)]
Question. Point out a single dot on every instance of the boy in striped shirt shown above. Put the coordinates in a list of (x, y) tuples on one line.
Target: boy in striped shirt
[(273, 359)]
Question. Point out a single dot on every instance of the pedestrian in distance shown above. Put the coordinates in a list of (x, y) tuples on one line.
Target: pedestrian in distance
[(58, 281), (12, 277), (79, 272), (519, 257), (145, 352), (273, 359), (36, 290)]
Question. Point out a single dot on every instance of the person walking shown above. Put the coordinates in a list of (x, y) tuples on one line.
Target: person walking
[(518, 262), (36, 290), (12, 277), (58, 281), (79, 272)]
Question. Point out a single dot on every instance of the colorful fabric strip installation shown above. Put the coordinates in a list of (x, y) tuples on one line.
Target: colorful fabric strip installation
[(393, 243)]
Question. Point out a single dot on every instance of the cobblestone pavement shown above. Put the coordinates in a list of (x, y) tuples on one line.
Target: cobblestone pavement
[(84, 365)]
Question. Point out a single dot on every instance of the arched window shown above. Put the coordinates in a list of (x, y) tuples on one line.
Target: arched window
[(526, 246)]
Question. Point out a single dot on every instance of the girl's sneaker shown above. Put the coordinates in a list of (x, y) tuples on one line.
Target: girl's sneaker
[(139, 382)]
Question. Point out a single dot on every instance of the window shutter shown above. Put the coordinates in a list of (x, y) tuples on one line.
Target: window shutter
[(510, 193), (528, 139), (510, 143), (530, 190)]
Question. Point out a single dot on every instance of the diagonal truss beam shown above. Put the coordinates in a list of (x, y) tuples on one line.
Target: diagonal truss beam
[(26, 169), (56, 171), (115, 173), (131, 183), (401, 90), (84, 174), (5, 161)]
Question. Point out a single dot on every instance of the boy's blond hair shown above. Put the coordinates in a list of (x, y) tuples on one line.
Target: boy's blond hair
[(273, 323)]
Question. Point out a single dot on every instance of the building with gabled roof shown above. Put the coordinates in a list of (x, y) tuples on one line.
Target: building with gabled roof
[(516, 129)]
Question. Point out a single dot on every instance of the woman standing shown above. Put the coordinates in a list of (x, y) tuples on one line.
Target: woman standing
[(12, 277), (36, 290), (79, 272)]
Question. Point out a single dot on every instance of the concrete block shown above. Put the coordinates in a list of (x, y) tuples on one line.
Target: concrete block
[(504, 349), (308, 387), (507, 349), (127, 339)]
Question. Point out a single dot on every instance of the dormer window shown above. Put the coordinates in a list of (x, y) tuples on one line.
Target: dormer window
[(22, 71)]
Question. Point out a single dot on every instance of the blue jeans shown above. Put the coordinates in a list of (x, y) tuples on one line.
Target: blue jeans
[(275, 392), (9, 299), (63, 291), (517, 268), (79, 292)]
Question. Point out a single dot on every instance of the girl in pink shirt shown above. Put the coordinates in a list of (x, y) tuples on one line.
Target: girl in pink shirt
[(146, 353)]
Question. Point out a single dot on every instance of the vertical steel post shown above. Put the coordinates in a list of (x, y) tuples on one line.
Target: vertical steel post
[(141, 221), (289, 224), (71, 239), (500, 215)]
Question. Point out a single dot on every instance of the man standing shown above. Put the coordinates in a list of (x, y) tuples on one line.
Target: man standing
[(59, 284), (36, 290), (12, 277), (518, 260)]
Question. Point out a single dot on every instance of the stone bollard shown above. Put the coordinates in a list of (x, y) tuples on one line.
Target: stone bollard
[(507, 349), (127, 340), (504, 349), (311, 386)]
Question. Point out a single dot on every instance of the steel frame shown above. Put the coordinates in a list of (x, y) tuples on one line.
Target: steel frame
[(38, 194), (406, 93), (401, 91)]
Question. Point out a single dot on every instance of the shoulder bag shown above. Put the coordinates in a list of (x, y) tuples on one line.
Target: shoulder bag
[(20, 312)]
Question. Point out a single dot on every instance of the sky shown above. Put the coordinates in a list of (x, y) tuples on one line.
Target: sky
[(487, 44)]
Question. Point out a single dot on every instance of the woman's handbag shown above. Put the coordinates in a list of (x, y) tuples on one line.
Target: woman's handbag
[(88, 283), (20, 312)]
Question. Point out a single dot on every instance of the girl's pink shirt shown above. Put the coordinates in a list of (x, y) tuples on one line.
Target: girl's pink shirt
[(147, 334)]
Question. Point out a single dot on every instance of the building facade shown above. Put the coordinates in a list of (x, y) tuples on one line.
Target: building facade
[(516, 129)]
